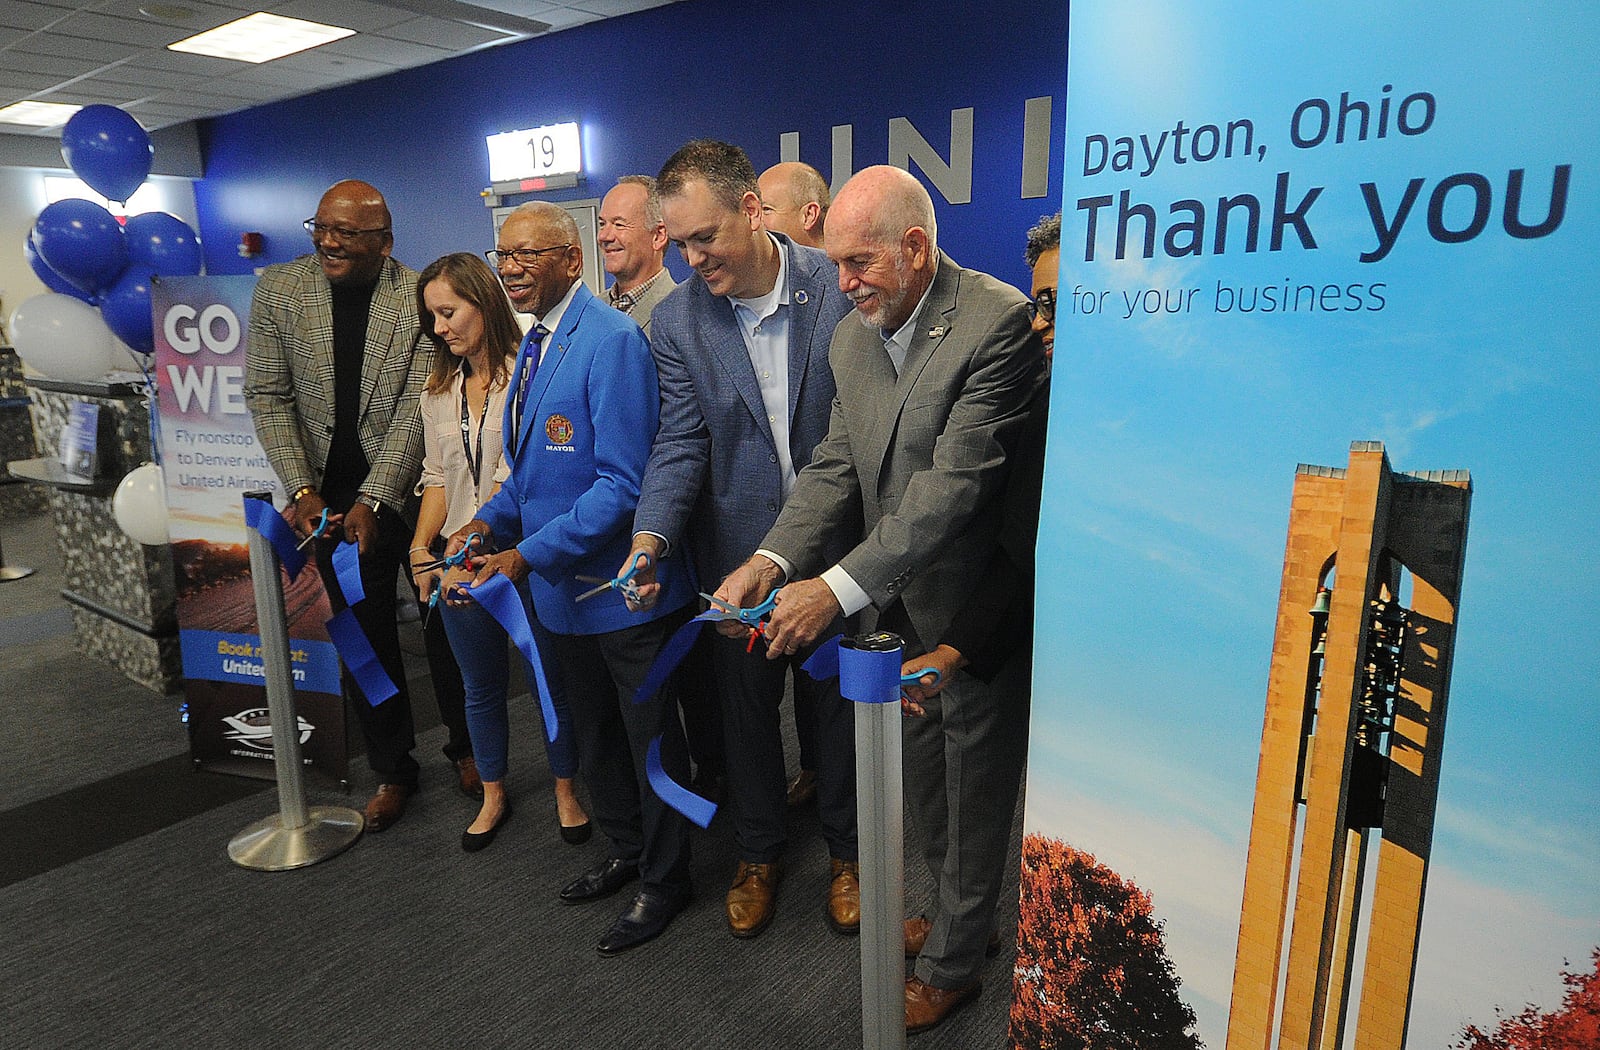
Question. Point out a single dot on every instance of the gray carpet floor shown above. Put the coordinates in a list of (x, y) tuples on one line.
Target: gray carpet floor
[(146, 935)]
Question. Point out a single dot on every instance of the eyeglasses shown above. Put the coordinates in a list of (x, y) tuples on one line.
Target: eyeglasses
[(338, 233), (1044, 305), (523, 257)]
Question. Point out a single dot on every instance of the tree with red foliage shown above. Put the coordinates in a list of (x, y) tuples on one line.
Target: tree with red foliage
[(1576, 1026), (1092, 970)]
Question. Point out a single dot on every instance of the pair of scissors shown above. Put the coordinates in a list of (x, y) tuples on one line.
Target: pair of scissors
[(915, 678), (754, 617), (623, 584), (461, 558), (322, 528)]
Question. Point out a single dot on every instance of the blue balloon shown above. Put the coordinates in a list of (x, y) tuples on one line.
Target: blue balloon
[(81, 242), (52, 280), (163, 243), (107, 149), (125, 306)]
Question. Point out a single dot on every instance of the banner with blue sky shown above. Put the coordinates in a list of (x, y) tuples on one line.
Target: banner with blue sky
[(1286, 230)]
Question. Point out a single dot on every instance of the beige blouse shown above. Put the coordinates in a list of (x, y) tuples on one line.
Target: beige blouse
[(444, 459)]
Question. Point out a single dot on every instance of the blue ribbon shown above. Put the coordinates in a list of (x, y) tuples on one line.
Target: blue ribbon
[(500, 599), (347, 568), (260, 515), (358, 657), (667, 660), (672, 793), (864, 676)]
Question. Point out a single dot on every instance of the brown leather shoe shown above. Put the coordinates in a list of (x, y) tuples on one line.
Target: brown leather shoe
[(388, 805), (917, 936), (752, 898), (803, 788), (927, 1006), (844, 896), (467, 772)]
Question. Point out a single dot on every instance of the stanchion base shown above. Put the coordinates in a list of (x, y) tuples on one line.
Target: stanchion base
[(267, 845), (14, 572)]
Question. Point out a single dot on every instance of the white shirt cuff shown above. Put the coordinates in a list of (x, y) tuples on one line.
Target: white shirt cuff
[(851, 598), (784, 564)]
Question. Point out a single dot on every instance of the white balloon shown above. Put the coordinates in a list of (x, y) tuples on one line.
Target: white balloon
[(64, 338), (140, 505)]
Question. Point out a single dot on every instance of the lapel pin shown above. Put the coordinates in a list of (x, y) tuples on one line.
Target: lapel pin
[(936, 332), (800, 296)]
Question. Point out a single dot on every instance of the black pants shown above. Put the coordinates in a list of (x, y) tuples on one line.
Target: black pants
[(601, 673), (752, 690)]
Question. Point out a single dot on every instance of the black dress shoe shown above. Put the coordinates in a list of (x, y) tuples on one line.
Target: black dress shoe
[(576, 834), (643, 920), (601, 881), (472, 841)]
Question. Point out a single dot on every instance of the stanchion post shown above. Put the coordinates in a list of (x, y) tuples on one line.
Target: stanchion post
[(880, 819), (295, 836)]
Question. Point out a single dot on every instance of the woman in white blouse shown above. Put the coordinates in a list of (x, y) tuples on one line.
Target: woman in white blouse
[(466, 315)]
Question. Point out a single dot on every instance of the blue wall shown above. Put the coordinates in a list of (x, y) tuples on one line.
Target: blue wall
[(642, 85)]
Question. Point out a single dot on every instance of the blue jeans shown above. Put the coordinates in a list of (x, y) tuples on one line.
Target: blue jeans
[(481, 650)]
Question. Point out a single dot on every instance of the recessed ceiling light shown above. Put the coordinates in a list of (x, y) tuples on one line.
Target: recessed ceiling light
[(261, 38), (38, 114)]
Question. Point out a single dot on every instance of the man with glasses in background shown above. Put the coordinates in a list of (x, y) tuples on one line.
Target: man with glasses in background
[(580, 418), (332, 375), (1043, 255)]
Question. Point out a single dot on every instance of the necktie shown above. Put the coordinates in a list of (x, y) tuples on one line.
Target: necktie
[(530, 365)]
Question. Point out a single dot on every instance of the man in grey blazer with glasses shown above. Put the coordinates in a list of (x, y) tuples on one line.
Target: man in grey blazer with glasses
[(935, 388)]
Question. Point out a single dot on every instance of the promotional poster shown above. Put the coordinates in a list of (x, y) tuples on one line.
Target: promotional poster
[(1285, 238), (211, 458)]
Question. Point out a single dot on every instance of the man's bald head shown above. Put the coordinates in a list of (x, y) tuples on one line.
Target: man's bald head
[(882, 235), (794, 201), (352, 232)]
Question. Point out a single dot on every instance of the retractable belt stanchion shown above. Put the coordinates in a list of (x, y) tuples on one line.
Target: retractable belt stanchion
[(295, 836), (869, 674)]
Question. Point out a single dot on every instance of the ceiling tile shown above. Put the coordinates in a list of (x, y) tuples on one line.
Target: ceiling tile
[(191, 65), (351, 14), (19, 14), (197, 15), (345, 66), (140, 32), (49, 68), (455, 36), (391, 52), (100, 52)]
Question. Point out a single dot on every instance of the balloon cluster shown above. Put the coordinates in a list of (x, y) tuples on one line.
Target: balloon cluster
[(88, 259)]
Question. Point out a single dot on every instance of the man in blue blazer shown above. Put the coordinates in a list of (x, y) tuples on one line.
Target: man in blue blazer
[(742, 352), (580, 418)]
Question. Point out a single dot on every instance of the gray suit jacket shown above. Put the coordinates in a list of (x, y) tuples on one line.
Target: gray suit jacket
[(289, 377), (921, 459), (713, 479)]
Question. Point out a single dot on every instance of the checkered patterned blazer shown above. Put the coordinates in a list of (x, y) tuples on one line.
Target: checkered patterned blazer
[(922, 458), (289, 377)]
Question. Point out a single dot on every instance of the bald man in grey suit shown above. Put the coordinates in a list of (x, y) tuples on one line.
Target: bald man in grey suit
[(935, 386)]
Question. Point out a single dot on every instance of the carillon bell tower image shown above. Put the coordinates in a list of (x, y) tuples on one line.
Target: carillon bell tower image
[(1350, 754)]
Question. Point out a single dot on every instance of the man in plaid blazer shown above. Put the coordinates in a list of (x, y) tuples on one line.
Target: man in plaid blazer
[(935, 389), (333, 371)]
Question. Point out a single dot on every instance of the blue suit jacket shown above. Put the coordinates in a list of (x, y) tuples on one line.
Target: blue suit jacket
[(713, 482), (575, 469)]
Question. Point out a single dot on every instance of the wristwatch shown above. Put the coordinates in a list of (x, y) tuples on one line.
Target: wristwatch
[(370, 501)]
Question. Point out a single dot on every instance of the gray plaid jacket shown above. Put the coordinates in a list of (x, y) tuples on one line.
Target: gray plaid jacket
[(920, 459), (289, 377)]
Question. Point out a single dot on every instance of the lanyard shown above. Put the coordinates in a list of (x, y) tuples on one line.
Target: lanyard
[(474, 462)]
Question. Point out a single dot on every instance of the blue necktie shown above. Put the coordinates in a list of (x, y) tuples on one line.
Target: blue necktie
[(530, 366)]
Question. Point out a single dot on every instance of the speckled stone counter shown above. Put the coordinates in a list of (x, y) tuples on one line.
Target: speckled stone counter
[(17, 500), (122, 592)]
